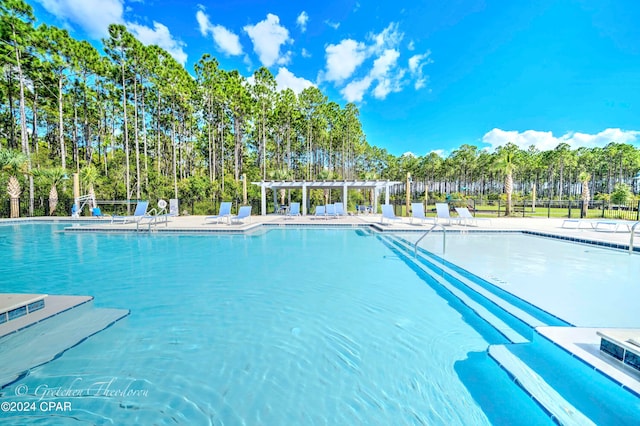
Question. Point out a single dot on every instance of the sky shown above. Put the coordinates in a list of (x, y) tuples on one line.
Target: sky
[(427, 76)]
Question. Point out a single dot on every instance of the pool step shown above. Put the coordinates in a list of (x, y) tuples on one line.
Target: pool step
[(38, 338), (558, 408), (519, 308), (479, 307), (521, 316)]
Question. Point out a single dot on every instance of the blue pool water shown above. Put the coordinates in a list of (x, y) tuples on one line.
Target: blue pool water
[(295, 326), (600, 283)]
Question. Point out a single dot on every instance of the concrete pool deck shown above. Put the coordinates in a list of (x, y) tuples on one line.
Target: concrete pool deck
[(198, 224), (580, 342)]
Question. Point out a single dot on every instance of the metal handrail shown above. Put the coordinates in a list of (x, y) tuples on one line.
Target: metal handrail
[(444, 239), (633, 231)]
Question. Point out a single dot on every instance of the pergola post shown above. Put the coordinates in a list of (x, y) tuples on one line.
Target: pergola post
[(263, 199), (304, 199), (344, 196), (386, 193), (275, 199)]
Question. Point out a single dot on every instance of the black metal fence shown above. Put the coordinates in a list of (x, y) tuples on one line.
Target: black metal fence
[(486, 208), (541, 208)]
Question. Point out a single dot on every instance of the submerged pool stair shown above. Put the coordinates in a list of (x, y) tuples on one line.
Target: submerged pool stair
[(530, 360), (35, 338)]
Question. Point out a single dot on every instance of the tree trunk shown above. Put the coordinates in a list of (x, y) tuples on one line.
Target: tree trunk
[(508, 188), (53, 200), (63, 152), (13, 189)]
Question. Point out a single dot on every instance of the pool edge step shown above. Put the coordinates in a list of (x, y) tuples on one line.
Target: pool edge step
[(49, 338), (548, 398)]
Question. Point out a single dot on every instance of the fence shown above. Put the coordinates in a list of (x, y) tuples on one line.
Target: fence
[(484, 208), (542, 208)]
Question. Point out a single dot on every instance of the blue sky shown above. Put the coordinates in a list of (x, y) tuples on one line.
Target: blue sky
[(426, 75)]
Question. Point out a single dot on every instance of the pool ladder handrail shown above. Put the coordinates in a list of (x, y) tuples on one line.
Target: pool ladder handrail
[(444, 239), (633, 231)]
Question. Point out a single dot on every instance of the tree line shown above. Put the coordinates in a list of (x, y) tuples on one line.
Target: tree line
[(135, 124)]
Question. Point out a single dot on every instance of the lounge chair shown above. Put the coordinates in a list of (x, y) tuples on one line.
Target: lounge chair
[(466, 217), (223, 213), (387, 213), (417, 212), (579, 223), (330, 210), (612, 225), (340, 209), (321, 212), (442, 212), (243, 213), (139, 213), (294, 210)]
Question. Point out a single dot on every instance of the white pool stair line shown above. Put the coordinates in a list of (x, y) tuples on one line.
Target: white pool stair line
[(484, 313), (526, 378), (561, 410), (523, 316)]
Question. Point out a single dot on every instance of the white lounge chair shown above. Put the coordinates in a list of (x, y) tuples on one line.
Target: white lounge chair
[(466, 217), (612, 225), (139, 213), (417, 212), (442, 212), (243, 213), (223, 213), (294, 210), (387, 213), (579, 223)]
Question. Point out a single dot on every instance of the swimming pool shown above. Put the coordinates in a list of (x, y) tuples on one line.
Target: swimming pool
[(299, 326)]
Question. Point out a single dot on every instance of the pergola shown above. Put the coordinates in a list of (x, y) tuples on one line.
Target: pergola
[(376, 185)]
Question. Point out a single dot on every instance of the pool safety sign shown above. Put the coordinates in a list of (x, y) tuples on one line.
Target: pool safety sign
[(173, 207)]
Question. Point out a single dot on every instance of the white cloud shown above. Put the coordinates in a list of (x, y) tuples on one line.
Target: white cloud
[(93, 16), (285, 79), (305, 53), (382, 72), (545, 141), (416, 63), (411, 46), (160, 36), (343, 59), (267, 37), (354, 91), (204, 23), (389, 38), (227, 41), (302, 20), (334, 25)]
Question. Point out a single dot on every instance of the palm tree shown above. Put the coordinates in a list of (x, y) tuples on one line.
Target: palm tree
[(585, 177), (506, 163), (53, 177), (89, 176), (15, 162)]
